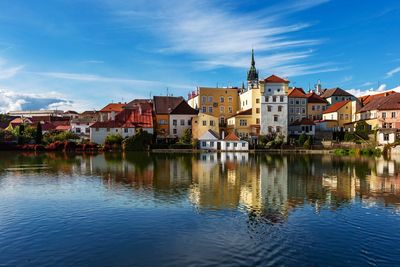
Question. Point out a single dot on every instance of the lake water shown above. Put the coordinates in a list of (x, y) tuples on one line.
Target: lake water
[(225, 209)]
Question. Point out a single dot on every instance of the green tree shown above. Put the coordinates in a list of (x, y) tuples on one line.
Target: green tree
[(39, 134), (113, 139), (186, 138), (140, 141), (302, 139)]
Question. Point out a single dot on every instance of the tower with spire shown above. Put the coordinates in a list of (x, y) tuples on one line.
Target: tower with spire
[(252, 74)]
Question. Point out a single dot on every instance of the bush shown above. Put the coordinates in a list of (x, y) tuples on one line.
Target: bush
[(186, 137), (139, 142), (55, 136), (307, 143), (181, 146), (113, 139), (349, 137), (302, 139)]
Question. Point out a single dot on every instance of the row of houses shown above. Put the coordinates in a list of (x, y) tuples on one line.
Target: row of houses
[(266, 106)]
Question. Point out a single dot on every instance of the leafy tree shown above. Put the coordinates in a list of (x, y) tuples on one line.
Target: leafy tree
[(113, 139), (39, 134), (140, 141), (307, 143), (186, 137), (302, 139), (21, 129)]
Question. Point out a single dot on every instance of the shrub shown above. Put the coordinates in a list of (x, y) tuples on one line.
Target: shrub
[(140, 141), (181, 146), (307, 143), (186, 137), (302, 139), (113, 139)]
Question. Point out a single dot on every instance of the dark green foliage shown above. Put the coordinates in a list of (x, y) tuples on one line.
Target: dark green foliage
[(362, 130), (113, 139), (349, 137), (38, 134), (140, 141), (181, 146), (186, 137), (54, 136), (307, 143), (302, 139)]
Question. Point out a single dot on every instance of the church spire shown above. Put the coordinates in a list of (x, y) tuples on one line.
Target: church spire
[(252, 74)]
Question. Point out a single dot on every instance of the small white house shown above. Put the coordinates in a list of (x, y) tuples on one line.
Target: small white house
[(233, 143), (209, 140), (388, 136)]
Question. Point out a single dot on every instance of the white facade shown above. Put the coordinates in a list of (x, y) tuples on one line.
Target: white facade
[(178, 123), (81, 128), (274, 109), (240, 145), (98, 135), (208, 141), (387, 137)]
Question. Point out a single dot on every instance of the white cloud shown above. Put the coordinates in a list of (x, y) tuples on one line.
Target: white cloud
[(367, 84), (372, 91), (392, 72), (220, 36), (8, 71)]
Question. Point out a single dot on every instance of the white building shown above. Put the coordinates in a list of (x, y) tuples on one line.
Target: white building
[(388, 136), (233, 143), (180, 119), (274, 106), (209, 140), (81, 126)]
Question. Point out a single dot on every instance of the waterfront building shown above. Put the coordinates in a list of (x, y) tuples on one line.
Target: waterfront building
[(303, 126), (315, 106), (109, 112), (340, 113), (180, 119), (240, 123), (81, 126), (209, 140), (297, 101), (163, 105), (35, 113), (335, 95), (274, 106), (218, 102), (202, 123), (233, 143)]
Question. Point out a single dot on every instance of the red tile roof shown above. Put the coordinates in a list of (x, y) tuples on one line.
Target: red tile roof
[(63, 127), (296, 92), (116, 107), (165, 104), (314, 98), (232, 137), (275, 79), (368, 98), (335, 107), (390, 102)]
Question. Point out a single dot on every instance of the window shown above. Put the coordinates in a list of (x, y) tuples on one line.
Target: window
[(203, 144), (243, 122), (108, 129), (269, 108), (162, 122), (266, 99), (274, 99), (210, 99), (222, 99), (189, 122), (78, 130), (228, 144), (291, 110), (341, 116), (269, 89), (276, 117), (235, 144), (386, 137), (174, 131), (204, 123), (297, 110), (126, 130), (174, 122), (211, 144), (312, 107), (303, 110), (87, 130), (222, 120), (281, 98), (230, 99), (383, 114), (116, 130), (303, 102), (203, 99), (243, 144), (222, 109), (279, 108), (297, 102), (347, 116), (318, 107), (270, 129), (97, 129), (257, 100), (258, 110), (230, 109), (210, 109), (278, 129), (257, 121), (393, 114), (291, 102), (182, 122), (204, 109), (211, 123)]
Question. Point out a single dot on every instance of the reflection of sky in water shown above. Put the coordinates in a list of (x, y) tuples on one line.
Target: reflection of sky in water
[(198, 209)]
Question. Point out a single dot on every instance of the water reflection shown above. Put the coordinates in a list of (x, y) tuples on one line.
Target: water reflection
[(269, 186)]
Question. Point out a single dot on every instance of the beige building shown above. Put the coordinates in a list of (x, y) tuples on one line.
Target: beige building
[(240, 123), (202, 123)]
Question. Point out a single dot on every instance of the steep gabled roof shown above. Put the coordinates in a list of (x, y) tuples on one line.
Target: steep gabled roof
[(296, 92), (165, 104), (232, 137), (314, 98), (116, 107), (303, 121), (368, 98), (334, 92), (275, 79), (335, 107), (184, 108), (390, 102), (209, 135)]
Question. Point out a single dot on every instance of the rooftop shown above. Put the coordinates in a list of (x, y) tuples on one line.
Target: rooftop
[(116, 107), (334, 92), (275, 79), (296, 92), (314, 98), (165, 104), (390, 102), (335, 107)]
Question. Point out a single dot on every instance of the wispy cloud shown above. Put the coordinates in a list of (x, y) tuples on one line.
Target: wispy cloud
[(392, 72), (85, 77), (220, 36), (366, 84), (8, 72)]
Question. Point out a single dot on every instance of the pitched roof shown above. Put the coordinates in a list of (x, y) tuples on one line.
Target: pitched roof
[(116, 107), (232, 137), (184, 108), (390, 102), (275, 79), (165, 104), (3, 124), (296, 92), (368, 98), (334, 92), (63, 127), (335, 107), (210, 134), (303, 121), (314, 98), (243, 112)]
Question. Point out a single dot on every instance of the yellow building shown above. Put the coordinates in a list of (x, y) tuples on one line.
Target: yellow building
[(240, 123), (316, 105), (340, 112), (218, 102), (202, 123)]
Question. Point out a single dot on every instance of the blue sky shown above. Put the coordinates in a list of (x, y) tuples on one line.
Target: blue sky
[(83, 54)]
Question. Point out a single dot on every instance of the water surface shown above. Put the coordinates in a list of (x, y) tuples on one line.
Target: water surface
[(227, 209)]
